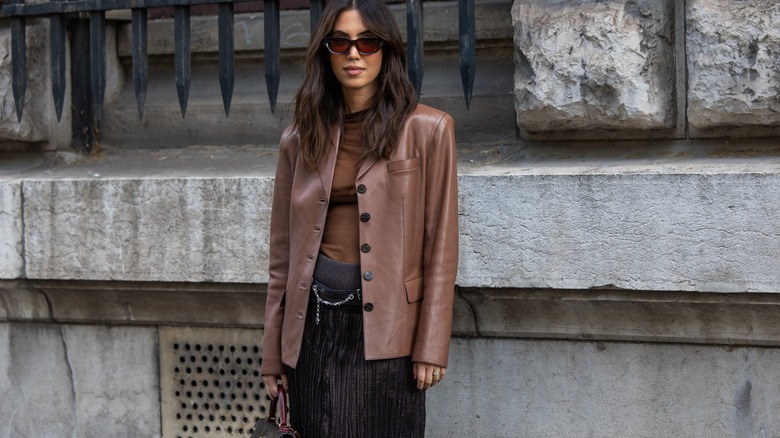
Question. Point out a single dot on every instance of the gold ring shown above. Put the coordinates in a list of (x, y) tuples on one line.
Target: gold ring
[(436, 375)]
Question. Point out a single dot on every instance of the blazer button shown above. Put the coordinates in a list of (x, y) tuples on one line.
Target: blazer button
[(361, 188), (368, 307), (368, 276), (365, 247), (365, 217)]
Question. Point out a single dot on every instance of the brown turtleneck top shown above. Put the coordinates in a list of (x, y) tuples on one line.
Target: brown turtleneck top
[(341, 236)]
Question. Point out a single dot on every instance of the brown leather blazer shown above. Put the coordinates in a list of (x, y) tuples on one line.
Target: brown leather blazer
[(408, 274)]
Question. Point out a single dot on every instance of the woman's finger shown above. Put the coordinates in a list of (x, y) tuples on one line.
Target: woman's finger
[(270, 384)]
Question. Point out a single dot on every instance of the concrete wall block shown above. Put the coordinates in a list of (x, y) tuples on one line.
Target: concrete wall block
[(678, 232), (39, 121), (11, 244), (78, 381), (188, 229), (594, 64), (115, 376), (733, 63), (514, 388)]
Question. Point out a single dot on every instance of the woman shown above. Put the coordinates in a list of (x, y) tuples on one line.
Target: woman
[(364, 237)]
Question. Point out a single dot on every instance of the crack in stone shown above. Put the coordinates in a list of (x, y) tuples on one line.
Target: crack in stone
[(472, 309), (22, 237), (69, 369)]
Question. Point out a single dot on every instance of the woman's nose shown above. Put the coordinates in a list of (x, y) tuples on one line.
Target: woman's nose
[(353, 52)]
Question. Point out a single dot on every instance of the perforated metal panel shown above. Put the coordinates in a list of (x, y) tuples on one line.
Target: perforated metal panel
[(210, 382)]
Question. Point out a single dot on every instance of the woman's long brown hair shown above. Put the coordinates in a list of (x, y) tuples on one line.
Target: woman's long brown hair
[(318, 102)]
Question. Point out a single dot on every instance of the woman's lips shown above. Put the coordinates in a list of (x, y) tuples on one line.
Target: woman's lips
[(354, 71)]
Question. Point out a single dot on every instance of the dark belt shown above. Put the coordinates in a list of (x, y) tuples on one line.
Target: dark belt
[(332, 297)]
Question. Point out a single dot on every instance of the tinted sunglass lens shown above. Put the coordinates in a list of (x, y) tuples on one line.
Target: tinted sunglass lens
[(338, 45), (368, 45), (365, 46)]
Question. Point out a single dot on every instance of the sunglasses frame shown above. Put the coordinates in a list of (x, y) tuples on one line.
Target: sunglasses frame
[(353, 43)]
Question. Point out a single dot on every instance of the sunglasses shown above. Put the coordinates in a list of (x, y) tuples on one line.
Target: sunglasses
[(342, 46)]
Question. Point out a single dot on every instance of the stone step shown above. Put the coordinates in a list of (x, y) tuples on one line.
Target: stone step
[(182, 215)]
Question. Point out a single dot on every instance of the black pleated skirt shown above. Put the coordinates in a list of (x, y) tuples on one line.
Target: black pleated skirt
[(336, 393)]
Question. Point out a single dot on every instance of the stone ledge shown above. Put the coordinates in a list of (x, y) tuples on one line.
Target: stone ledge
[(593, 315), (612, 315), (686, 226)]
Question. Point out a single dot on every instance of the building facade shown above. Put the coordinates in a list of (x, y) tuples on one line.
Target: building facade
[(619, 175)]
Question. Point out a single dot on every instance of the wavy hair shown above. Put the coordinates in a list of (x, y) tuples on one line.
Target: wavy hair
[(319, 104)]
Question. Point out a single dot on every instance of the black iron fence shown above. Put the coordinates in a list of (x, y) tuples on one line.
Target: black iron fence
[(93, 64)]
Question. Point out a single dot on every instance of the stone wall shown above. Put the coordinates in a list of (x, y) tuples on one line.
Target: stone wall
[(594, 65), (618, 265), (601, 68), (733, 63)]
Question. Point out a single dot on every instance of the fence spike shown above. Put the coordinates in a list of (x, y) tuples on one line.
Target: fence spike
[(140, 58), (468, 47), (227, 65), (315, 10), (97, 60), (414, 42), (182, 59), (19, 64), (272, 50), (57, 38)]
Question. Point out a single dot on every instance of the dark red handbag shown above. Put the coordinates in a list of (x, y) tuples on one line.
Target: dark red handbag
[(272, 427)]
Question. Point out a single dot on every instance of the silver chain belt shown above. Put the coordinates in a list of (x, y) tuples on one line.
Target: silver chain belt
[(315, 288)]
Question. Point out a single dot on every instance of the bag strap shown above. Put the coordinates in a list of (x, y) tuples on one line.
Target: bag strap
[(283, 425), (272, 408)]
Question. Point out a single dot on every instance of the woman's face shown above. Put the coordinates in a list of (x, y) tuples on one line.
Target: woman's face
[(356, 72)]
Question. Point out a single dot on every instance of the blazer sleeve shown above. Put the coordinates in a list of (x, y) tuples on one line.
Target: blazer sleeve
[(440, 250), (279, 255)]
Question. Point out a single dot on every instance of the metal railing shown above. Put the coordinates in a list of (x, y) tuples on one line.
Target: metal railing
[(57, 11)]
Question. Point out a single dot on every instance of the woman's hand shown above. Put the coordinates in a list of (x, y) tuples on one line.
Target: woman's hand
[(271, 383), (427, 375)]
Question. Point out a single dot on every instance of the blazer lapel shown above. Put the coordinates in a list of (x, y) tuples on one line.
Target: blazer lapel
[(327, 166), (367, 164)]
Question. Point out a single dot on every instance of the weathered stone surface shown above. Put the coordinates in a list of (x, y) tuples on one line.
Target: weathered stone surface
[(514, 388), (594, 64), (11, 262), (20, 301), (733, 63), (78, 381), (711, 229), (236, 305), (187, 229), (36, 385), (39, 120), (115, 380), (612, 315), (668, 231)]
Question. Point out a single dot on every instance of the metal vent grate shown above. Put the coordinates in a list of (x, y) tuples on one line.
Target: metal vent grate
[(210, 382)]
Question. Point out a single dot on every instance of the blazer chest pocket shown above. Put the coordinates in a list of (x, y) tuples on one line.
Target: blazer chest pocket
[(403, 165), (403, 176)]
